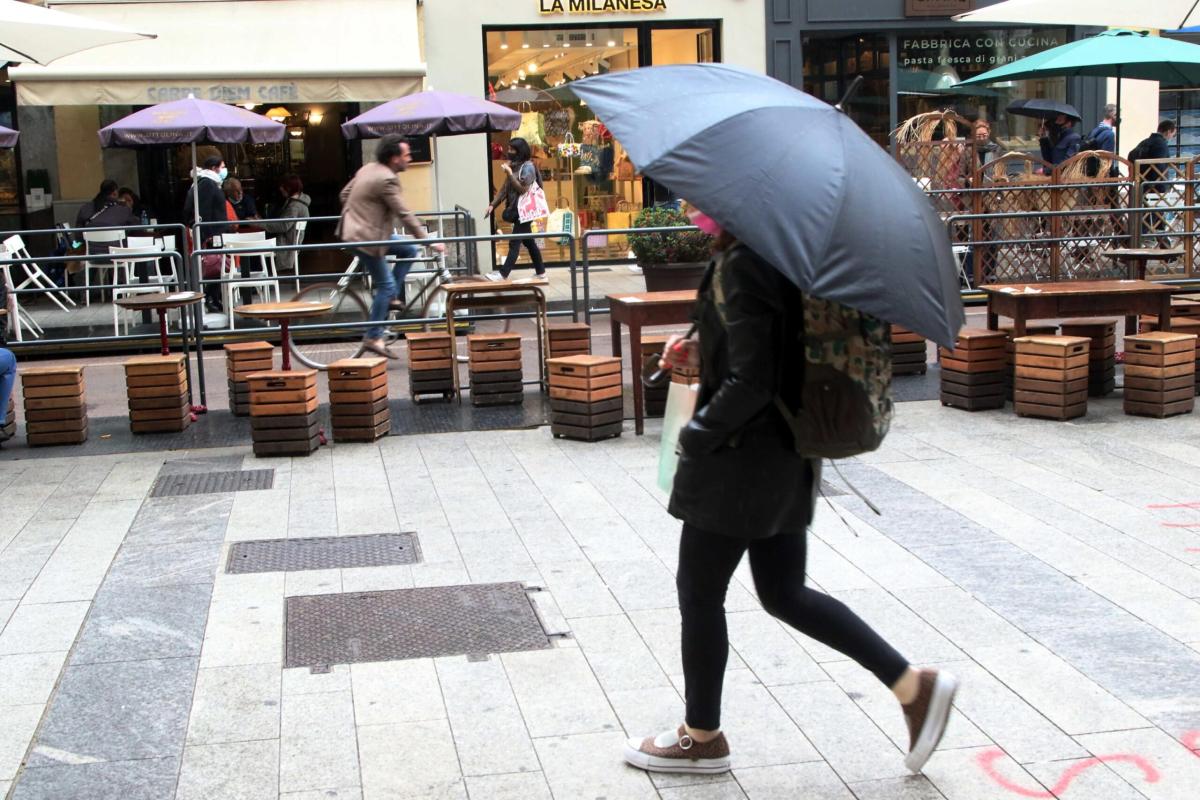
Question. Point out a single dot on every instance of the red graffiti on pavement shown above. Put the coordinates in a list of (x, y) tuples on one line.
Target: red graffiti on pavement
[(1191, 549), (1195, 504), (1191, 740), (1180, 524), (987, 760)]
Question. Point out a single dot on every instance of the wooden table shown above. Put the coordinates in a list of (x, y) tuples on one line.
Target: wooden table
[(497, 294), (1078, 299), (162, 302), (1136, 258), (639, 311), (284, 313)]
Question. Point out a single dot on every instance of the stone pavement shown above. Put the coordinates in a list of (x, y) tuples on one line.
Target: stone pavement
[(1054, 566)]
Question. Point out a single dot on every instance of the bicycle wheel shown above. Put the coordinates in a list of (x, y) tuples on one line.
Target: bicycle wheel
[(319, 349)]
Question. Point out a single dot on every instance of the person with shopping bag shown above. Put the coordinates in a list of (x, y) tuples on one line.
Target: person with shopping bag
[(740, 486), (521, 179)]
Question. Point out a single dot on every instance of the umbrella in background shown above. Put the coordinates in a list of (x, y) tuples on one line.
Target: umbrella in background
[(1042, 108), (526, 99), (8, 137), (432, 114), (191, 121), (1109, 54), (1163, 14), (793, 178), (35, 35)]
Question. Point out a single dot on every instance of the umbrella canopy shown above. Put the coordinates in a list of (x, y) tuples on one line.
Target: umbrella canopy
[(35, 35), (432, 114), (793, 178), (190, 121), (526, 99), (1109, 54), (8, 137), (1041, 108), (1164, 14)]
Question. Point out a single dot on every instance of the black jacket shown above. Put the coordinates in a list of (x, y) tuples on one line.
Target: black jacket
[(212, 208), (739, 474)]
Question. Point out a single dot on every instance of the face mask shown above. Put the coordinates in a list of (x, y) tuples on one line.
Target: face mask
[(704, 222), (224, 173)]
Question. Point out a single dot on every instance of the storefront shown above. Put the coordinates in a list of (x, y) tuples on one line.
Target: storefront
[(309, 64), (539, 47), (911, 55)]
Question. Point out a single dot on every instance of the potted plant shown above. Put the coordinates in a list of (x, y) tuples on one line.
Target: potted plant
[(670, 261)]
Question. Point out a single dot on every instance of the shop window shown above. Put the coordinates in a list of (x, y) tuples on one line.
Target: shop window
[(831, 64), (1183, 107), (582, 166)]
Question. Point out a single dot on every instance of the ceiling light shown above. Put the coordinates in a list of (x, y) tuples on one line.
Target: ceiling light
[(525, 46), (566, 44), (546, 44), (315, 117), (504, 45), (533, 67), (278, 113), (612, 43)]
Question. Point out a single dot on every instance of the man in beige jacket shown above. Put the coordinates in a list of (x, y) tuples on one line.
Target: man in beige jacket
[(372, 203)]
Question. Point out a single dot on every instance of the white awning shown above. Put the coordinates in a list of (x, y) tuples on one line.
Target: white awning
[(245, 51)]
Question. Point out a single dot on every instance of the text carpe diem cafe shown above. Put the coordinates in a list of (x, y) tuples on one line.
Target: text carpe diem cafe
[(602, 6)]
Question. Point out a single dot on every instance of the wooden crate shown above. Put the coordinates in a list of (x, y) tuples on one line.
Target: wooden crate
[(1050, 376), (430, 367), (156, 387), (1160, 374), (358, 406), (494, 366), (243, 359), (285, 404), (908, 352), (1010, 350), (585, 397), (569, 339), (8, 425), (1102, 356), (55, 389)]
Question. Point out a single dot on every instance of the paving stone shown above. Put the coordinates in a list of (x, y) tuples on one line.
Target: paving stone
[(578, 589), (960, 617), (118, 711), (377, 579), (230, 771), (317, 743), (913, 787), (173, 520), (20, 722), (489, 731), (183, 564), (410, 760), (6, 609), (764, 732), (660, 631), (234, 704), (302, 680), (639, 585), (42, 628), (29, 677), (244, 631), (582, 766), (769, 651), (780, 782), (616, 653), (568, 671), (1178, 768), (1170, 612), (516, 786), (352, 793), (395, 692), (959, 775), (134, 623), (904, 630), (143, 779), (647, 712), (722, 790), (1087, 779)]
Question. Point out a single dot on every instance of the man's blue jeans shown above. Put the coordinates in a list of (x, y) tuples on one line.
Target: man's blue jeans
[(8, 378), (387, 282)]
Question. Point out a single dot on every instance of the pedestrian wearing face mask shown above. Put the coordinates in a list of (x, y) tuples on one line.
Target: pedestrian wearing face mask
[(1059, 139), (520, 176), (209, 179)]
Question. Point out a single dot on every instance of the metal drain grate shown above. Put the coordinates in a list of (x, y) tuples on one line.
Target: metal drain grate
[(326, 552), (410, 623), (181, 483)]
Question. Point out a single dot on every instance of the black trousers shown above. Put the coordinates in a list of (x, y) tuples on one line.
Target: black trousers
[(707, 562), (514, 249)]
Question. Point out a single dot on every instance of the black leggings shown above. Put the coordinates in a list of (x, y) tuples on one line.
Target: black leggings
[(707, 562), (514, 249)]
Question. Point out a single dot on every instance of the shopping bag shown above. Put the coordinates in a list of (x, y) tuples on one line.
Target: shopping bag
[(621, 218), (681, 406), (562, 220), (532, 205)]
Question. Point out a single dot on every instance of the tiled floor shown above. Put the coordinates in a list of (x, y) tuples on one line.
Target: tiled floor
[(1054, 566)]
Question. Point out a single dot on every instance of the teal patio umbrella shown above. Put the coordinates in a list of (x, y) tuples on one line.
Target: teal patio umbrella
[(1110, 54)]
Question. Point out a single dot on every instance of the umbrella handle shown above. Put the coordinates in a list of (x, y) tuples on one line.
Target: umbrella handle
[(851, 90)]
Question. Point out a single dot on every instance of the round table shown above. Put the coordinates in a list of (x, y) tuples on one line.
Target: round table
[(284, 313), (162, 302), (1136, 258)]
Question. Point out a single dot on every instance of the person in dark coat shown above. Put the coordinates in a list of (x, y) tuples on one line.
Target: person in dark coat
[(1155, 224), (741, 487), (1059, 139), (208, 181), (108, 188)]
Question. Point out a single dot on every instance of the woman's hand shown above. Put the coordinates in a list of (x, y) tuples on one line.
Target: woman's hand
[(487, 212), (680, 352), (507, 168)]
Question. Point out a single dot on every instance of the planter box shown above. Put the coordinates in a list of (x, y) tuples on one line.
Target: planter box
[(673, 277)]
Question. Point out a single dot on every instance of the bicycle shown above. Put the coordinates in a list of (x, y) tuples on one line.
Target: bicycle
[(350, 300)]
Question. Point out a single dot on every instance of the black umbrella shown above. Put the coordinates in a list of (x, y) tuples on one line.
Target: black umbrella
[(1041, 108), (793, 178)]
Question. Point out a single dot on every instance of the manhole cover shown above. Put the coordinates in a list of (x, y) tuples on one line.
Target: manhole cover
[(237, 480), (325, 552), (410, 623)]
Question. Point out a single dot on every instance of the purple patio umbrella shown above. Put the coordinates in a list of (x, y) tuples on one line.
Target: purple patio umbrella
[(432, 114), (190, 121), (8, 137)]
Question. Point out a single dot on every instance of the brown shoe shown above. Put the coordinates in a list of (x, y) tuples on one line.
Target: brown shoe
[(927, 715), (675, 751)]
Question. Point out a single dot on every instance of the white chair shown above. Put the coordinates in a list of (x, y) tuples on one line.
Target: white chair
[(301, 229), (22, 321), (97, 243), (264, 282), (34, 276), (125, 260), (225, 238)]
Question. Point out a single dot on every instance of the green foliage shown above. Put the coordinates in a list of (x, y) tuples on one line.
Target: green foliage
[(668, 248)]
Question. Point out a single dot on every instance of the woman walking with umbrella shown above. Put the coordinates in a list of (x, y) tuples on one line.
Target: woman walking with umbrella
[(823, 213), (520, 176)]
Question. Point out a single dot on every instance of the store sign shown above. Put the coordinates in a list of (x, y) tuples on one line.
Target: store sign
[(602, 6), (937, 8), (974, 51), (227, 93)]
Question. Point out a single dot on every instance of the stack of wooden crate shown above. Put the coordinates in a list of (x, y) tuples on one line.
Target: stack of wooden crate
[(430, 366), (1010, 350), (973, 372), (8, 426), (585, 397), (157, 390), (55, 405), (283, 412), (570, 339), (1160, 374), (494, 363), (1179, 325), (1102, 358), (1051, 376), (358, 399), (654, 397), (241, 360), (908, 352)]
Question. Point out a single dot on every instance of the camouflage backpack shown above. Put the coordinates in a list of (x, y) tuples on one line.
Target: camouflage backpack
[(846, 397)]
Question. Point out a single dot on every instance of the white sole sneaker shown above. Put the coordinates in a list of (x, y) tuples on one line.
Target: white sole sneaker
[(695, 766), (942, 698)]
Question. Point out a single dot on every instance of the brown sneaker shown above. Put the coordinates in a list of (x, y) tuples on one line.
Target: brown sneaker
[(675, 751), (927, 715)]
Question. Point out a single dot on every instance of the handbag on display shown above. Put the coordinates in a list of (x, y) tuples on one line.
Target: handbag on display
[(624, 169), (531, 129), (621, 218), (558, 122), (568, 147), (681, 407), (562, 220), (589, 158)]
